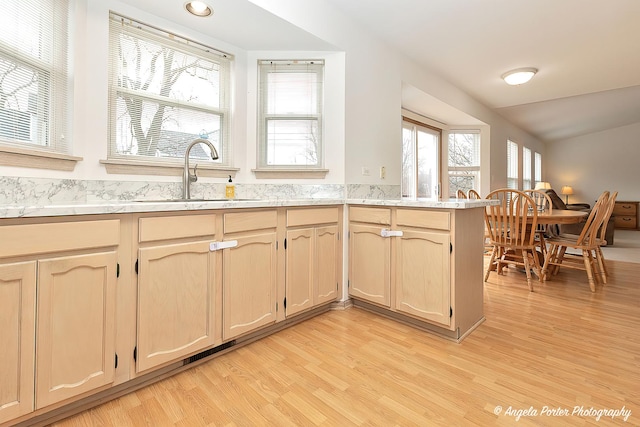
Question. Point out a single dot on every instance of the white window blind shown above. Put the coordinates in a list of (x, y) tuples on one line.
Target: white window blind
[(512, 165), (165, 92), (33, 74), (290, 114), (526, 168), (537, 167)]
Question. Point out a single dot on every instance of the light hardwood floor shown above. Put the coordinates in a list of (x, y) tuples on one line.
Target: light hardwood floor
[(559, 347)]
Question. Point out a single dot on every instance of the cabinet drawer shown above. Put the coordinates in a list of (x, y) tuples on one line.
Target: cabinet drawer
[(245, 221), (176, 227), (30, 239), (424, 218), (623, 208), (297, 217), (370, 215), (625, 221)]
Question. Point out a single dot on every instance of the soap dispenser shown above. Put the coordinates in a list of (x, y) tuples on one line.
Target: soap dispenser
[(230, 190)]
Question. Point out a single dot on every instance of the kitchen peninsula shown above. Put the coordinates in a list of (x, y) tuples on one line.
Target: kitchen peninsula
[(101, 298)]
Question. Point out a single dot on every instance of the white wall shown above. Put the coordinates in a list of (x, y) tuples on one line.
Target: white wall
[(364, 104), (375, 74), (597, 162)]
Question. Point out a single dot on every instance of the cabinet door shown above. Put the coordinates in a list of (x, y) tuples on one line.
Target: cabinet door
[(76, 317), (326, 264), (423, 275), (249, 284), (17, 338), (175, 302), (299, 279), (369, 260)]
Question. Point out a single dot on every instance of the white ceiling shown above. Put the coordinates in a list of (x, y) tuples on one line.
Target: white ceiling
[(587, 51)]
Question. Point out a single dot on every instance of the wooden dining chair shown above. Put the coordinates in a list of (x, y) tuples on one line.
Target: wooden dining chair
[(509, 224), (586, 243), (543, 203), (460, 194), (473, 194), (602, 241)]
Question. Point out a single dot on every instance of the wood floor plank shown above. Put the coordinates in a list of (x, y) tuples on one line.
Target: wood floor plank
[(561, 346)]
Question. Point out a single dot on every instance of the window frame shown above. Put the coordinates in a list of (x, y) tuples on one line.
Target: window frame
[(526, 169), (280, 170), (170, 165), (54, 108), (474, 171), (438, 185), (513, 164)]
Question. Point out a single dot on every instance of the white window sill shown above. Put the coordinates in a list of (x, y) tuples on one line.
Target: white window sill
[(29, 158), (290, 173), (140, 167)]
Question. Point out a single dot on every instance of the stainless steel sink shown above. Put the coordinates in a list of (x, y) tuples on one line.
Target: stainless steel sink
[(192, 200)]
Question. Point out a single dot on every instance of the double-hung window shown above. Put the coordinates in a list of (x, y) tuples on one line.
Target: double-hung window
[(526, 168), (537, 166), (420, 160), (165, 92), (34, 77), (512, 165), (290, 114), (464, 161)]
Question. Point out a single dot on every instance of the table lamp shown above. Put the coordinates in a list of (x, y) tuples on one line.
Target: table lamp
[(566, 190)]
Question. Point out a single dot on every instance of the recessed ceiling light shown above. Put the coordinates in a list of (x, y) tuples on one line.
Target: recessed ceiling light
[(198, 8), (519, 76)]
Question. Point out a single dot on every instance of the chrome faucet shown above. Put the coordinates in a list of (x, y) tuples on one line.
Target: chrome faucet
[(187, 177)]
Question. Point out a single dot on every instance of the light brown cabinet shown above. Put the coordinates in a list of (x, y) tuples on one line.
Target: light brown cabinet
[(75, 336), (176, 288), (370, 255), (17, 335), (312, 258), (61, 275), (249, 276), (420, 265), (625, 215)]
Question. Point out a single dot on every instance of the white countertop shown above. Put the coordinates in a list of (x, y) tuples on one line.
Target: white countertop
[(129, 206)]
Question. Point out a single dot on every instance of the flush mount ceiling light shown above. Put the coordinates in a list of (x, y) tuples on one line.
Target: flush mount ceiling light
[(519, 76), (198, 8)]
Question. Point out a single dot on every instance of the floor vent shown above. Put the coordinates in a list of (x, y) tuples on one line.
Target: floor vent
[(209, 352)]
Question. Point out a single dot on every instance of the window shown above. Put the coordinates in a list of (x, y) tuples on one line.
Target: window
[(464, 161), (165, 92), (33, 75), (512, 165), (290, 114), (420, 160), (537, 158), (526, 168)]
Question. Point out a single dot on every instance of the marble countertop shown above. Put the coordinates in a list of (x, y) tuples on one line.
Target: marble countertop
[(137, 206)]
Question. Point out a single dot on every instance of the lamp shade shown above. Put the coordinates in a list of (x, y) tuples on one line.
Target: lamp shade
[(566, 190), (542, 185)]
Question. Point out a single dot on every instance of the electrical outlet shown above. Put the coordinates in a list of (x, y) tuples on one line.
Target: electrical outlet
[(383, 172), (365, 171)]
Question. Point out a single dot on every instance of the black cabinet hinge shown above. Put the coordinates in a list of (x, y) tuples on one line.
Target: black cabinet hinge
[(135, 354), (116, 367), (285, 246), (450, 312), (284, 303), (136, 267), (450, 248), (117, 270)]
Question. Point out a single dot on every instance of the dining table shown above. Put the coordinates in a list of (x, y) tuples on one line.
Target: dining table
[(550, 217), (561, 216)]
